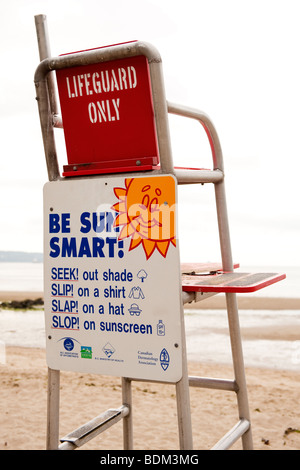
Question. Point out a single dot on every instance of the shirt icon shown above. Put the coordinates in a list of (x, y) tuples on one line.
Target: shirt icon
[(136, 293)]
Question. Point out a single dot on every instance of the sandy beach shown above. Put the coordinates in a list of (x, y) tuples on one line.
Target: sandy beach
[(273, 394)]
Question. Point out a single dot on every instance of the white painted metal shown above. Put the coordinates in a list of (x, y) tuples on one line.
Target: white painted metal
[(227, 262), (233, 435), (127, 421), (53, 409), (44, 51), (217, 384), (93, 428)]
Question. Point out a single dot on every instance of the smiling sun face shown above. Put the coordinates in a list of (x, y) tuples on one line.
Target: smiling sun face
[(146, 210)]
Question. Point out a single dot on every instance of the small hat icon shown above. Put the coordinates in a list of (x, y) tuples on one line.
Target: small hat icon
[(134, 309)]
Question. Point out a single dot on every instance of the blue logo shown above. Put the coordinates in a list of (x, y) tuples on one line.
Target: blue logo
[(68, 344), (108, 350), (164, 359)]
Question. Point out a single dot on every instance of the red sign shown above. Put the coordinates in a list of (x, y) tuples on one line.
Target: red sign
[(108, 117)]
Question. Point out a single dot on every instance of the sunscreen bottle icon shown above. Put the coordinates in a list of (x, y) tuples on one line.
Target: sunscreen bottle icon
[(160, 328)]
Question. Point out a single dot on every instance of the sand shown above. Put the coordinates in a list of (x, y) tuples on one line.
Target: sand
[(273, 396)]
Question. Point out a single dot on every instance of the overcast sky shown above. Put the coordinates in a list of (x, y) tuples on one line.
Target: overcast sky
[(237, 60)]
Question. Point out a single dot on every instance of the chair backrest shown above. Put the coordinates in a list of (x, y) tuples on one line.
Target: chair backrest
[(107, 92), (108, 116)]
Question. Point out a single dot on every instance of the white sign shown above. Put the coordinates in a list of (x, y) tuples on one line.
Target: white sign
[(112, 277)]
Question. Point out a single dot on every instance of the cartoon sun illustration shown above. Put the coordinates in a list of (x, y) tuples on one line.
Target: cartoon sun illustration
[(146, 213)]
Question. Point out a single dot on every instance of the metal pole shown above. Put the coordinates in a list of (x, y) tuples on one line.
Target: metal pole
[(227, 262), (52, 437), (233, 316), (127, 420), (53, 409), (45, 95), (238, 365), (93, 428), (183, 399), (161, 116), (208, 126), (233, 435), (44, 52)]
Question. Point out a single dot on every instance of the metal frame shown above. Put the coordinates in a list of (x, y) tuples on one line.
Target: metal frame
[(45, 92), (227, 262)]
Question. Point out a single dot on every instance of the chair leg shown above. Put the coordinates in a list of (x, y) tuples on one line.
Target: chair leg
[(127, 421), (53, 409), (238, 365), (183, 398)]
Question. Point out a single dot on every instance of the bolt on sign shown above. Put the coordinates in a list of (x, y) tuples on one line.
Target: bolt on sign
[(108, 117), (112, 277)]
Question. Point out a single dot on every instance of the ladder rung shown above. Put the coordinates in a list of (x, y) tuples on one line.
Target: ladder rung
[(92, 428), (219, 384), (198, 175), (233, 435)]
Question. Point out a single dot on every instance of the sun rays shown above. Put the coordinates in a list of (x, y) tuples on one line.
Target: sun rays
[(146, 213)]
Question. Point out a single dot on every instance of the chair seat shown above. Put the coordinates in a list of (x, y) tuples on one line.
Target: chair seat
[(209, 278)]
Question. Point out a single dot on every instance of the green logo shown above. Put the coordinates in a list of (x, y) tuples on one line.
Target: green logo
[(86, 352)]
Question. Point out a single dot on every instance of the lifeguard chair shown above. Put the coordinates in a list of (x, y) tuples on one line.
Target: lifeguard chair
[(80, 77)]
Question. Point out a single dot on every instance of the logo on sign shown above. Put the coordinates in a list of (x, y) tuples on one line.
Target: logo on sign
[(86, 352), (68, 344), (164, 359), (69, 347), (146, 212), (108, 350)]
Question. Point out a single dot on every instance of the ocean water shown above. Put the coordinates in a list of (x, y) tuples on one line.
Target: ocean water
[(208, 339), (22, 277), (206, 330)]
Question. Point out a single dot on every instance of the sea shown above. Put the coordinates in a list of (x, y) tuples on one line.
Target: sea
[(206, 330)]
